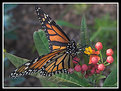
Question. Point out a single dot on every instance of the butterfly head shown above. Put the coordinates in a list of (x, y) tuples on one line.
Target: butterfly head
[(72, 48)]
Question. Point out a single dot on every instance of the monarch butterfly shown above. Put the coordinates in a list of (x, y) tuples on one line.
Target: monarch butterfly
[(62, 51)]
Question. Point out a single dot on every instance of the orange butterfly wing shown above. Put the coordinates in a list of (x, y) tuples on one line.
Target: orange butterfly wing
[(56, 36), (57, 61)]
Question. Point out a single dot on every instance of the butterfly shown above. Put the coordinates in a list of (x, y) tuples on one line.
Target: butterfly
[(62, 51)]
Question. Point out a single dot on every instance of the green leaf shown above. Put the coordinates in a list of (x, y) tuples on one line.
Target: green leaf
[(111, 80), (99, 77), (83, 24), (46, 83), (64, 23), (72, 79), (41, 42), (64, 78), (84, 36), (16, 61), (81, 81)]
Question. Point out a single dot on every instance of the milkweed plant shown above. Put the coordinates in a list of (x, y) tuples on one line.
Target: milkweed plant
[(83, 74), (93, 70)]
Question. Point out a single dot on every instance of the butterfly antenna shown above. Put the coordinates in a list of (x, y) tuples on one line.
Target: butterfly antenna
[(82, 47)]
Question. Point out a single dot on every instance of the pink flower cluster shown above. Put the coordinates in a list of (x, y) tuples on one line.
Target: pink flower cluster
[(94, 67), (86, 70)]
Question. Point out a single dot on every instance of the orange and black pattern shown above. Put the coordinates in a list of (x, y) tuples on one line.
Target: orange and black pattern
[(47, 65), (59, 60), (56, 37)]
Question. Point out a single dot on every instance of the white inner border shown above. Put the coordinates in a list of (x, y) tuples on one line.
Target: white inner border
[(60, 87)]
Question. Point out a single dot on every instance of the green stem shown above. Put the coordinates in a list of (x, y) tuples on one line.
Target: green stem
[(101, 57), (107, 64)]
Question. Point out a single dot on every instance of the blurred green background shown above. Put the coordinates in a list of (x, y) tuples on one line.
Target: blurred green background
[(20, 22)]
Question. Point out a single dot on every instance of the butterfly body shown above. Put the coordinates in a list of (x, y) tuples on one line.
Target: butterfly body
[(62, 51), (72, 48)]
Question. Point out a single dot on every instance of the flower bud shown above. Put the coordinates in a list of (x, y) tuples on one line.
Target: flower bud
[(98, 46), (94, 60), (92, 71), (96, 66), (98, 71), (110, 59), (84, 67), (89, 67), (77, 68), (109, 52), (101, 67)]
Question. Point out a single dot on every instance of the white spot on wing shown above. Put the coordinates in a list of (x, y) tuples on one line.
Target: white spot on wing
[(27, 64)]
